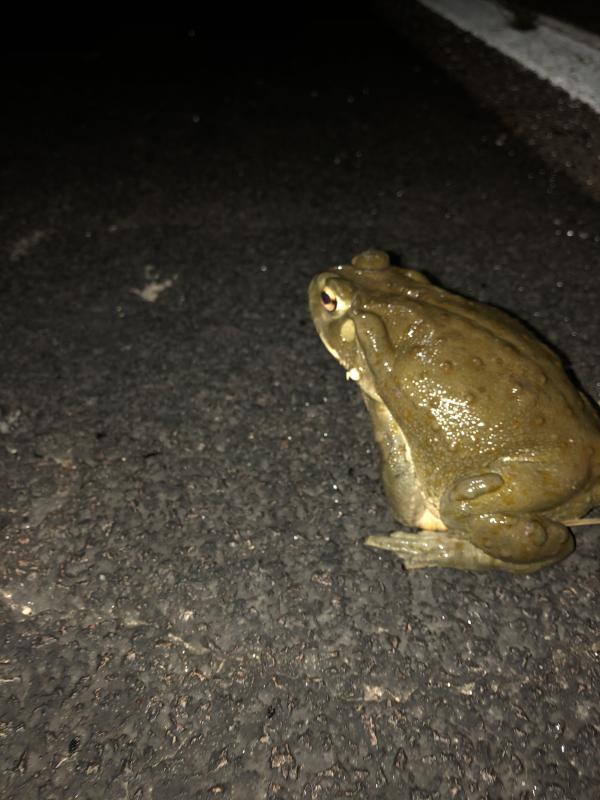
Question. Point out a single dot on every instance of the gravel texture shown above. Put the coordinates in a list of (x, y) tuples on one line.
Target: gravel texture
[(188, 610)]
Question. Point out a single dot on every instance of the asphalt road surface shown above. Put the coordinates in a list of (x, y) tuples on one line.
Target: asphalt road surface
[(188, 608)]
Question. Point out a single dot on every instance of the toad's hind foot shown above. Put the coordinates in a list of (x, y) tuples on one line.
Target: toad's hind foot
[(440, 549), (431, 549)]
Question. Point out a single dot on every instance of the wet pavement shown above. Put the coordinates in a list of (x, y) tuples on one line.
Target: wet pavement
[(188, 610)]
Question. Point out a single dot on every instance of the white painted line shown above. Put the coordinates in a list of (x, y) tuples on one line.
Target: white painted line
[(559, 53)]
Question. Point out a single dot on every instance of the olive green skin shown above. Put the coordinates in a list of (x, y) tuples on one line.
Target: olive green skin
[(485, 443)]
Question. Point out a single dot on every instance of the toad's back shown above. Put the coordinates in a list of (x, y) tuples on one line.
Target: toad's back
[(480, 380)]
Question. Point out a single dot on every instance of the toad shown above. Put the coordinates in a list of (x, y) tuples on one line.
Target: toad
[(486, 445)]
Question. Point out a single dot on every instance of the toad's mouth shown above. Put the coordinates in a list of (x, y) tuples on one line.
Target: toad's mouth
[(353, 366), (346, 347), (358, 373)]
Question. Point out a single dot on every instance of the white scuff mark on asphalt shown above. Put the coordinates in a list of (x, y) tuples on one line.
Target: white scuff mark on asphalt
[(23, 246), (372, 693), (9, 421), (25, 610), (555, 51), (154, 288), (192, 648), (131, 621)]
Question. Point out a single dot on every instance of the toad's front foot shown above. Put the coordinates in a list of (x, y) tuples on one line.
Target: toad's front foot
[(441, 549)]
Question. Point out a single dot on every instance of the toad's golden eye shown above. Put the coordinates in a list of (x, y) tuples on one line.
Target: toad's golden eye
[(329, 301)]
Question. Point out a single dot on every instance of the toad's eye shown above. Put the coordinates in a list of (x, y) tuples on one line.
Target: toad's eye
[(329, 301)]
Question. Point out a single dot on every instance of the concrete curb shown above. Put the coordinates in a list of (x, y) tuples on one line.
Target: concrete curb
[(544, 83)]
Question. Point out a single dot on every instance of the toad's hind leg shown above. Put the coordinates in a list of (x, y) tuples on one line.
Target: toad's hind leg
[(485, 530), (446, 549)]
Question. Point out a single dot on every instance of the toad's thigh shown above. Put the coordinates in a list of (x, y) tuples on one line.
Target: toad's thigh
[(517, 487), (507, 520)]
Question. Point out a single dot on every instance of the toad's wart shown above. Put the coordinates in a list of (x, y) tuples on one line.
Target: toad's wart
[(485, 443)]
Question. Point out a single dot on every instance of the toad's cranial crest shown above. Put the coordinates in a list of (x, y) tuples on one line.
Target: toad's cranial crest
[(485, 443)]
